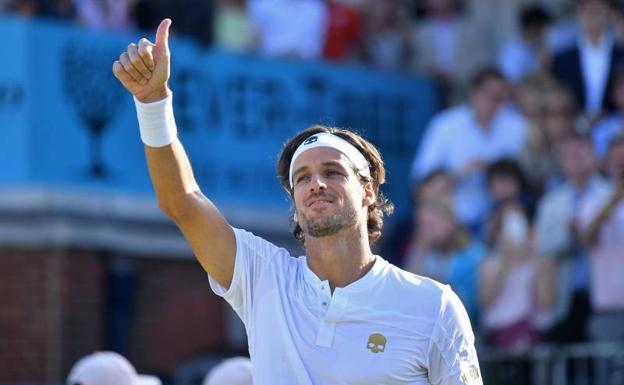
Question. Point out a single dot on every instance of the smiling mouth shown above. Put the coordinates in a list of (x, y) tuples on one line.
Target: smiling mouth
[(319, 202)]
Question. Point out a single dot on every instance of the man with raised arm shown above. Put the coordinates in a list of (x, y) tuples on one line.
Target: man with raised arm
[(339, 314)]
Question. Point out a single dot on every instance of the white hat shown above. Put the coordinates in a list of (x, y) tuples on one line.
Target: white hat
[(107, 368), (233, 371)]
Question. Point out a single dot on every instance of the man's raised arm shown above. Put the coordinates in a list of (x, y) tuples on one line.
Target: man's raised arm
[(144, 71)]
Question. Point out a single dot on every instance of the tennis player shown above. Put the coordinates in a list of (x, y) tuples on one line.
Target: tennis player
[(337, 315)]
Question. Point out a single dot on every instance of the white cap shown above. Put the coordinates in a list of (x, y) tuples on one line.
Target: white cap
[(233, 371), (107, 368)]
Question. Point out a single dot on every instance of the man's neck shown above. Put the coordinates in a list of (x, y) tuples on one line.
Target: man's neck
[(484, 120), (341, 259), (595, 39)]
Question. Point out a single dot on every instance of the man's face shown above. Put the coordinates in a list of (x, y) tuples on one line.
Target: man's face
[(328, 194), (593, 16), (577, 159), (489, 96), (504, 187)]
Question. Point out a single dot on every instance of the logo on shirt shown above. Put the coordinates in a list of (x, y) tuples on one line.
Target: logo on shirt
[(310, 140), (376, 343), (470, 375)]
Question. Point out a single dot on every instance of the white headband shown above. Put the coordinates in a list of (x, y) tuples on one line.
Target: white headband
[(324, 139)]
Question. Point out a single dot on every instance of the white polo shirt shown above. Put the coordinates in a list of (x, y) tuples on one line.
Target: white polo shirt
[(388, 327)]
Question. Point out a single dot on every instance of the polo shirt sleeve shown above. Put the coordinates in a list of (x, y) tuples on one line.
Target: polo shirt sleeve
[(452, 357), (254, 258)]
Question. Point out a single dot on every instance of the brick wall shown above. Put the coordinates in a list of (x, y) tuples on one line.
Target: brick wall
[(23, 331), (178, 317), (53, 305)]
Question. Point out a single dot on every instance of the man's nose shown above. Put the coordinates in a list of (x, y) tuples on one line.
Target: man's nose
[(317, 183)]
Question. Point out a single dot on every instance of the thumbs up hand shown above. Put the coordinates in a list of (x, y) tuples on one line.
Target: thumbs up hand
[(144, 69)]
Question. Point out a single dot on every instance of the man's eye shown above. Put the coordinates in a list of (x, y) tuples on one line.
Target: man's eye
[(302, 178)]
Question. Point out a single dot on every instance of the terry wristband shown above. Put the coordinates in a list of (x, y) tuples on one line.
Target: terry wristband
[(156, 122)]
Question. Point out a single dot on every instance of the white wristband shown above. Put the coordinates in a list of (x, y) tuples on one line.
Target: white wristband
[(156, 122)]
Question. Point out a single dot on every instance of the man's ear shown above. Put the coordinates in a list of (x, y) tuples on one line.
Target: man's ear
[(369, 195)]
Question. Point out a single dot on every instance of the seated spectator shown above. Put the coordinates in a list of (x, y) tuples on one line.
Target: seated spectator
[(601, 220), (448, 46), (554, 121), (232, 29), (386, 34), (192, 18), (107, 368), (232, 371), (587, 67), (343, 39), (506, 185), (613, 125), (528, 53), (103, 14), (442, 249), (558, 238), (464, 139), (288, 28), (516, 287), (438, 185)]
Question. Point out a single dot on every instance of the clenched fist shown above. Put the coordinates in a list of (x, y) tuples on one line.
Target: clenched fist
[(144, 68)]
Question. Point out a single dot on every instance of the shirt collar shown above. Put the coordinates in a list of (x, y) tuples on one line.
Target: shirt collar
[(604, 44), (369, 279)]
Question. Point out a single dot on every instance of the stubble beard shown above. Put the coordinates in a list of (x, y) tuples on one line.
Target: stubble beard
[(330, 225)]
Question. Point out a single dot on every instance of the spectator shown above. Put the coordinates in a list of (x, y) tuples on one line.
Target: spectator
[(232, 371), (516, 286), (26, 8), (507, 185), (107, 368), (103, 14), (232, 29), (447, 46), (290, 28), (527, 54), (438, 186), (602, 222), (387, 34), (557, 236), (191, 18), (613, 125), (442, 249), (553, 120), (587, 67), (465, 138), (343, 39)]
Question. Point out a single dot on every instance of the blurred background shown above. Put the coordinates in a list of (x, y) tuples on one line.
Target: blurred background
[(501, 123)]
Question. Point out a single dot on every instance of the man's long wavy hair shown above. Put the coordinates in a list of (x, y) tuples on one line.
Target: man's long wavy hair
[(376, 211)]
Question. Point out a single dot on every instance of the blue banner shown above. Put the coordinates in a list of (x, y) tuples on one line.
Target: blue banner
[(64, 119)]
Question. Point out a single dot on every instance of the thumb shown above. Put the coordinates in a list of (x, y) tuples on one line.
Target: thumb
[(162, 35)]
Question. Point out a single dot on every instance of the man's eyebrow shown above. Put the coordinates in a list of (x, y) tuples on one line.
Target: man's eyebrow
[(299, 170)]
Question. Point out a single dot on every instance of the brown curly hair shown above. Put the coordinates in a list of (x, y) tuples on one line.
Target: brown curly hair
[(382, 206)]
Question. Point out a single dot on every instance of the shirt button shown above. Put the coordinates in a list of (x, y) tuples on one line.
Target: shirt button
[(324, 303)]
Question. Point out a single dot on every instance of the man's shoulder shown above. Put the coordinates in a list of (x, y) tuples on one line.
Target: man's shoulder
[(249, 243), (413, 286), (450, 119)]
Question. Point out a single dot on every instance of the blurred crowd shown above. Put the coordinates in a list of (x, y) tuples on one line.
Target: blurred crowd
[(518, 183), (518, 189)]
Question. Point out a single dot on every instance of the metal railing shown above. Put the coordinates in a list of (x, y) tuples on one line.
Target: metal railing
[(575, 364)]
